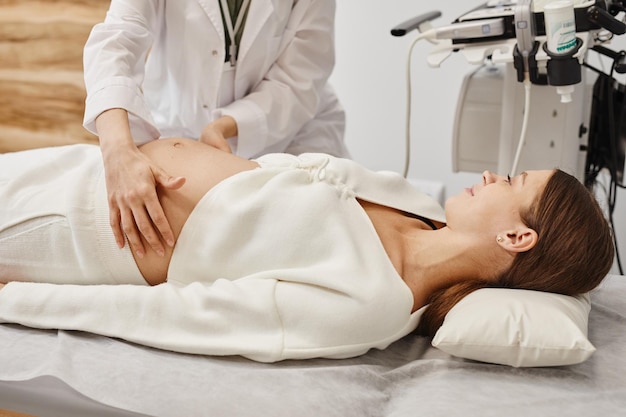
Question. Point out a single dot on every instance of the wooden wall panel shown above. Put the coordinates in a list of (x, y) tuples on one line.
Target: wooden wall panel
[(42, 93)]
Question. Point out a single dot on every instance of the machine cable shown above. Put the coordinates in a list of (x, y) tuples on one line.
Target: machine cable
[(607, 134)]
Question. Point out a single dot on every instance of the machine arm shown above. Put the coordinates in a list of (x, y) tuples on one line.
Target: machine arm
[(414, 23)]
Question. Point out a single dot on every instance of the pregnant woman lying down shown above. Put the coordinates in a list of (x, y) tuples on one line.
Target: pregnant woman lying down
[(282, 257)]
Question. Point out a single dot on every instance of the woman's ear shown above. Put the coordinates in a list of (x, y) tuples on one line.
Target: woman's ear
[(518, 240)]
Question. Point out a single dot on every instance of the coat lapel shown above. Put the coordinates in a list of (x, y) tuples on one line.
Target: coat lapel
[(259, 13), (213, 12)]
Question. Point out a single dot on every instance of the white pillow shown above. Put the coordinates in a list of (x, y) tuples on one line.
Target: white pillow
[(517, 328)]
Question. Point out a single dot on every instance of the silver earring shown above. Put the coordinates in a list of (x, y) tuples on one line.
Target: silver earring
[(499, 239)]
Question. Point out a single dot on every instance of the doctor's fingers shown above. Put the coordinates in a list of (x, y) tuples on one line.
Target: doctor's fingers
[(157, 219), (223, 146), (131, 232), (142, 224), (212, 137), (122, 221), (163, 179), (116, 224)]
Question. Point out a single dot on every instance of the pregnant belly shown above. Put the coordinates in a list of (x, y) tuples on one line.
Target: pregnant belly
[(203, 167)]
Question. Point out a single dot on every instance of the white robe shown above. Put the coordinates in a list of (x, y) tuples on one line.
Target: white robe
[(280, 262)]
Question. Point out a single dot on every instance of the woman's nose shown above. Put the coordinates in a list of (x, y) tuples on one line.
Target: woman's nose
[(488, 177)]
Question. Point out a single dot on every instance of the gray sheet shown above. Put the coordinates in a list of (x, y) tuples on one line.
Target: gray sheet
[(410, 378)]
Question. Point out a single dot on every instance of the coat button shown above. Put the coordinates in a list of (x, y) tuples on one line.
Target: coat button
[(214, 52)]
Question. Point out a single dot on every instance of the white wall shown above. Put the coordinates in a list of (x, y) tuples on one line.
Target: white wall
[(370, 79)]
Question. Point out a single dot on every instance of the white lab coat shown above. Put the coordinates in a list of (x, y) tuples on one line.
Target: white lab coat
[(163, 61)]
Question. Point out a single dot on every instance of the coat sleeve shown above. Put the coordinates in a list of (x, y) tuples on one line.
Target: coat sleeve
[(222, 318), (114, 64), (291, 92)]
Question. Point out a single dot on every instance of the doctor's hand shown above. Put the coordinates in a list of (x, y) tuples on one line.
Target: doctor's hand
[(216, 133), (135, 210)]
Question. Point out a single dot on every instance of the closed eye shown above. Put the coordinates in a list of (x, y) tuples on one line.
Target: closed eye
[(508, 178)]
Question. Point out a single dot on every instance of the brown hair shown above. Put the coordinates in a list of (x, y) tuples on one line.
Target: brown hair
[(574, 251)]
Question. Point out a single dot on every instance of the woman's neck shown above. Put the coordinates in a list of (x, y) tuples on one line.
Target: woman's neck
[(434, 260), (427, 260)]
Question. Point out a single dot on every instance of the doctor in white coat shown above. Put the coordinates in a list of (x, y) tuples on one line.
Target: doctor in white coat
[(159, 68)]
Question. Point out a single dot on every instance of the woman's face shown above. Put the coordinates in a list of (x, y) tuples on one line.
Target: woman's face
[(494, 205)]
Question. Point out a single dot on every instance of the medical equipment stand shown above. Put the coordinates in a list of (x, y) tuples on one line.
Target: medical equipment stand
[(489, 115), (487, 138)]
